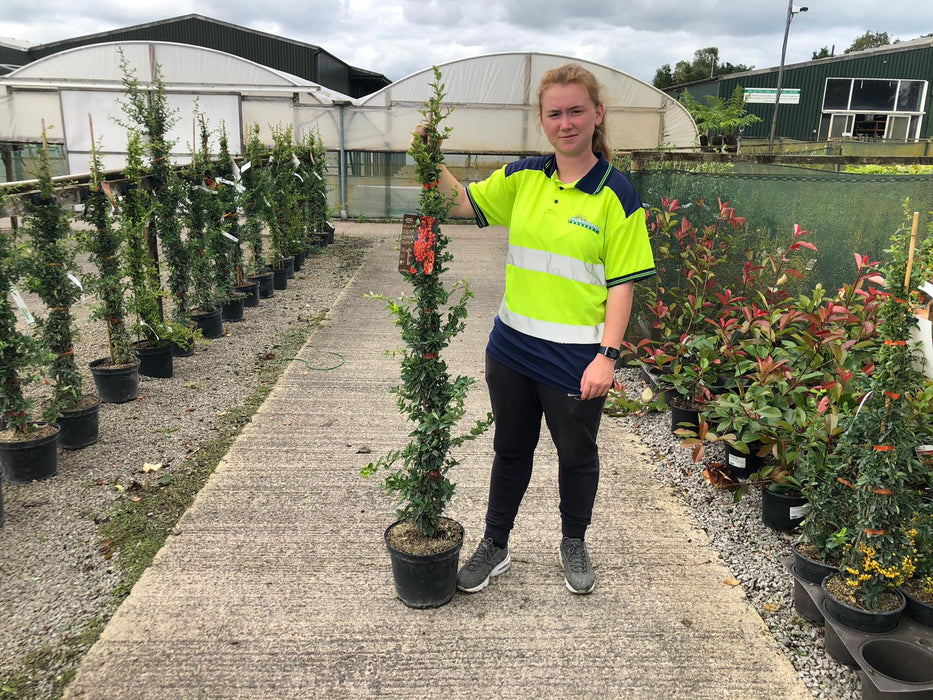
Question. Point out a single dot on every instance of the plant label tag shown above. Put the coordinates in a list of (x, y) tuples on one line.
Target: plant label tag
[(406, 248), (21, 305), (299, 177), (295, 161), (246, 166), (798, 511), (231, 237), (75, 281), (736, 461), (236, 171), (926, 288), (317, 174)]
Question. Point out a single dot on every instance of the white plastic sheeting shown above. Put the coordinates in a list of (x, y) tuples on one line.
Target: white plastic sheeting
[(493, 98), (495, 108)]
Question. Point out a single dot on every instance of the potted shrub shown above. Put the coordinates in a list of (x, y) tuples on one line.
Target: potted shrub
[(423, 544), (313, 159), (104, 244), (284, 212), (148, 111), (227, 254), (202, 222), (884, 479), (255, 200), (53, 277), (28, 446)]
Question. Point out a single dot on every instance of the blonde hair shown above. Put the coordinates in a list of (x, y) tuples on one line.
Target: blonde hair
[(575, 73)]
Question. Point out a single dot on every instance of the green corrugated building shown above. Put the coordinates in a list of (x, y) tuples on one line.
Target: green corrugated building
[(880, 93)]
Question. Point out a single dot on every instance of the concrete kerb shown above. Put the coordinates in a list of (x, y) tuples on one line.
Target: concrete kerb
[(277, 583)]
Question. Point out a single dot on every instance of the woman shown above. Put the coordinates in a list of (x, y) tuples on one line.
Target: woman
[(577, 244)]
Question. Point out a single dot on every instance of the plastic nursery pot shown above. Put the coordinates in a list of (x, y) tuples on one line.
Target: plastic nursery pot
[(855, 618), (917, 610), (289, 265), (742, 466), (266, 285), (250, 292), (280, 278), (424, 581), (684, 418), (115, 384), (232, 310), (155, 360), (80, 428), (810, 570), (210, 323), (33, 459), (782, 511)]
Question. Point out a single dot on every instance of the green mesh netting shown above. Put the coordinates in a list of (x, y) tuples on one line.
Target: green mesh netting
[(846, 212)]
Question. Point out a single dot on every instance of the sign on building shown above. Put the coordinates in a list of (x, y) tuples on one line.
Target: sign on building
[(789, 96)]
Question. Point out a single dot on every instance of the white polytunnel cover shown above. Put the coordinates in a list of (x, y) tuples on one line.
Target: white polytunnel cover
[(494, 108)]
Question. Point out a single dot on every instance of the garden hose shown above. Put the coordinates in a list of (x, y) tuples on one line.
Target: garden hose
[(317, 369)]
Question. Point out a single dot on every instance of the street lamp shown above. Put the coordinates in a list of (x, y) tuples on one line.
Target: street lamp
[(791, 11)]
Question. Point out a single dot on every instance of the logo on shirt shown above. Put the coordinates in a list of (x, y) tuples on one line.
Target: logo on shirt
[(581, 221)]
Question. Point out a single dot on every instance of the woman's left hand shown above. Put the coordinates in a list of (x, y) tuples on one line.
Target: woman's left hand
[(598, 378)]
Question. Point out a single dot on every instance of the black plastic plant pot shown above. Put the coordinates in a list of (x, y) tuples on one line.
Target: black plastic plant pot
[(280, 278), (810, 570), (79, 428), (424, 581), (299, 261), (917, 610), (210, 323), (115, 384), (32, 459), (186, 350), (250, 292), (232, 310), (289, 265), (907, 663), (742, 466), (782, 511), (155, 360), (266, 285), (684, 418), (874, 622)]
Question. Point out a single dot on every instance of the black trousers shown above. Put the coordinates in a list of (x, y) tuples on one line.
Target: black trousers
[(518, 402)]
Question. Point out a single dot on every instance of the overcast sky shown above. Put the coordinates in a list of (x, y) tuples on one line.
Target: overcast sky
[(400, 37)]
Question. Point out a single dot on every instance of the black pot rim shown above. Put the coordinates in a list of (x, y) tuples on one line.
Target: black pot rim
[(97, 366), (83, 411), (880, 613), (29, 442)]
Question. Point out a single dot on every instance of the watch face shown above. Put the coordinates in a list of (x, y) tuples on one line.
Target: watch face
[(611, 353)]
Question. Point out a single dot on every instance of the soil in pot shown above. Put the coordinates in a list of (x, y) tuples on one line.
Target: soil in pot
[(80, 424), (846, 609), (426, 578), (919, 603), (155, 359), (32, 459), (115, 383)]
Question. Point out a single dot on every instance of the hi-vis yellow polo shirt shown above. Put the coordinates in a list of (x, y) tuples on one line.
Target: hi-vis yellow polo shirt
[(568, 244)]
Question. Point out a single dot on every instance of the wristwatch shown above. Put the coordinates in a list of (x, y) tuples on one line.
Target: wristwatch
[(611, 353)]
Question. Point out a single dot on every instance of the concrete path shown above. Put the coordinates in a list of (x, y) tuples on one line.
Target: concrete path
[(277, 583)]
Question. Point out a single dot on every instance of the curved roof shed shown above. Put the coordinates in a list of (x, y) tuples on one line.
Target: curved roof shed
[(495, 111)]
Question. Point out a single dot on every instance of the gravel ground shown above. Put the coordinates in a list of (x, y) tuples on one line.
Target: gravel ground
[(56, 580), (752, 551)]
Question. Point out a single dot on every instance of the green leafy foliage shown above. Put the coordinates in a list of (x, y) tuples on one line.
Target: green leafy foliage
[(255, 200), (51, 275), (284, 210), (428, 319)]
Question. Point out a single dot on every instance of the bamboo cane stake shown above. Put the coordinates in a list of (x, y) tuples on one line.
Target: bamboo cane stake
[(913, 249)]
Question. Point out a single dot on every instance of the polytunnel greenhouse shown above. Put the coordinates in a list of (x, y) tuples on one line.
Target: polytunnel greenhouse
[(76, 90)]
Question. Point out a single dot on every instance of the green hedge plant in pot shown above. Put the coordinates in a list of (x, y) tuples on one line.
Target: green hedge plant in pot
[(228, 254), (423, 544), (254, 176), (28, 446), (886, 482)]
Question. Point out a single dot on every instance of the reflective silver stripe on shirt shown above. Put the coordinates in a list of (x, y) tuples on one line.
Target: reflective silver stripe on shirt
[(555, 332), (558, 265)]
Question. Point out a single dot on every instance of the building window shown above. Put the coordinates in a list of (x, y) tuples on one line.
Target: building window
[(872, 108)]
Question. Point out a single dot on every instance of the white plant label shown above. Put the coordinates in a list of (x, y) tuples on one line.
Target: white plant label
[(236, 170), (75, 281), (798, 511), (246, 166), (295, 161), (736, 461), (21, 305), (206, 189), (317, 174), (231, 237), (299, 177), (926, 288)]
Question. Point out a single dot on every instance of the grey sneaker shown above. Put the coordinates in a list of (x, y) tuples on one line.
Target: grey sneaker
[(578, 569), (488, 560)]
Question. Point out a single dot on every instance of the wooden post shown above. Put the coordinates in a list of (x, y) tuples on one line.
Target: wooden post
[(911, 251)]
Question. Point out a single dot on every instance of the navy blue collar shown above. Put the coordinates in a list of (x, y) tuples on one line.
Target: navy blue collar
[(593, 181)]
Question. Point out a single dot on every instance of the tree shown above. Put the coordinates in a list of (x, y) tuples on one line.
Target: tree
[(822, 53), (705, 64), (869, 40), (719, 117)]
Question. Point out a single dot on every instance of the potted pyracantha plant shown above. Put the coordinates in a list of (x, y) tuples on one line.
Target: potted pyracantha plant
[(423, 544)]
